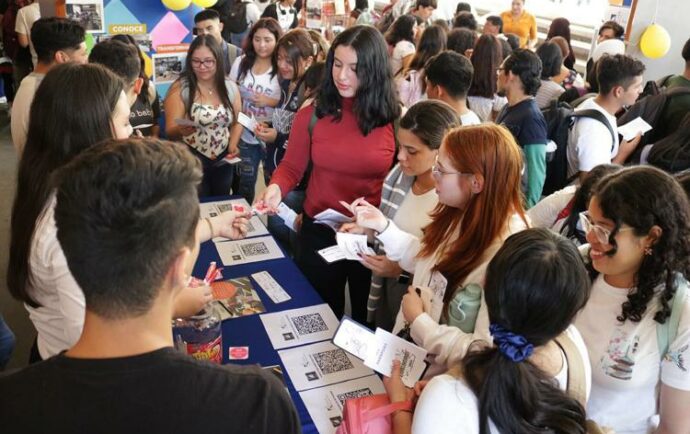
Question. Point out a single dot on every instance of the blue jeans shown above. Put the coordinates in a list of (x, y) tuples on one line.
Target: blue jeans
[(276, 226), (6, 343), (251, 155)]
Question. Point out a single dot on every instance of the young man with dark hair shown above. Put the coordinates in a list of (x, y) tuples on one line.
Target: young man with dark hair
[(465, 20), (56, 40), (448, 78), (610, 30), (493, 25), (678, 105), (126, 216), (124, 61), (590, 142), (423, 9), (519, 79), (207, 22)]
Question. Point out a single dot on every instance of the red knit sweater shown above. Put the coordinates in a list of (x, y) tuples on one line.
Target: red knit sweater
[(346, 164)]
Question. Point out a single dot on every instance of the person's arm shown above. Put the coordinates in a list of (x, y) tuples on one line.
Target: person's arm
[(535, 158), (532, 39), (400, 246), (626, 149), (71, 301), (236, 128), (174, 109), (398, 392), (22, 30), (673, 411)]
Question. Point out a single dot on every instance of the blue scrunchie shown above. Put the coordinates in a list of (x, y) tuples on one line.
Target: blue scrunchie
[(512, 346)]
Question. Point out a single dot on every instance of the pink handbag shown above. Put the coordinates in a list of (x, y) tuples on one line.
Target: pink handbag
[(370, 415)]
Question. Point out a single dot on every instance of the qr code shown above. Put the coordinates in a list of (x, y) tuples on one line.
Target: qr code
[(254, 249), (342, 397), (310, 323), (332, 361)]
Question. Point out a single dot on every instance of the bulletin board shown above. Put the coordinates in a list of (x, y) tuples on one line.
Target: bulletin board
[(622, 12)]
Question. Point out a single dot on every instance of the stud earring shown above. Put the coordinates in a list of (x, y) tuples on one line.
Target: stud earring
[(648, 251)]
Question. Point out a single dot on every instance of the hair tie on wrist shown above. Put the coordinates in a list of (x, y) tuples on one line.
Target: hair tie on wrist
[(512, 346)]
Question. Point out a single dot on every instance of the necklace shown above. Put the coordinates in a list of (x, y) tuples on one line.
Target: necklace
[(201, 88), (419, 190)]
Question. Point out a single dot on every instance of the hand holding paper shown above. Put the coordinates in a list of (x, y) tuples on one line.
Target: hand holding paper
[(368, 216), (396, 390), (353, 246), (633, 128)]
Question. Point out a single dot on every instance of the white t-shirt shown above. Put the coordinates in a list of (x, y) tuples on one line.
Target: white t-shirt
[(249, 85), (589, 141), (414, 210), (26, 17), (60, 319), (548, 91), (448, 405), (470, 118), (545, 213), (401, 50), (625, 360), (19, 123), (484, 106), (262, 5), (253, 14)]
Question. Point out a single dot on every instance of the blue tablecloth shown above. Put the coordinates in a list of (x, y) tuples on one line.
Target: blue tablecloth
[(249, 330)]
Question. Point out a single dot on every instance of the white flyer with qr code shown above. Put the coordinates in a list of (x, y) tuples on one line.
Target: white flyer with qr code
[(301, 326), (255, 227), (321, 364), (248, 250), (325, 404)]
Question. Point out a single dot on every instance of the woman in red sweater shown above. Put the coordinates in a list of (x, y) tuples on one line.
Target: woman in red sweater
[(351, 149)]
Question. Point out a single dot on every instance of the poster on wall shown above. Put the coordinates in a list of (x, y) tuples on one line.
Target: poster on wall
[(167, 67), (313, 9), (89, 13)]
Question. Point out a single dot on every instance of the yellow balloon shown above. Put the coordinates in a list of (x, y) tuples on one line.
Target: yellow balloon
[(176, 5), (205, 3), (655, 42)]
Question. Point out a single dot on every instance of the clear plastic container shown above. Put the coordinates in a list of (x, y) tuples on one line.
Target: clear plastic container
[(200, 335)]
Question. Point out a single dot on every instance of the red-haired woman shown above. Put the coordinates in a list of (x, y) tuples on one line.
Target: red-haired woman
[(477, 177)]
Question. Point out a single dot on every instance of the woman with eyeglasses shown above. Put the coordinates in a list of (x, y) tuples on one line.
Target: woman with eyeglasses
[(201, 110), (636, 323), (477, 179), (408, 197)]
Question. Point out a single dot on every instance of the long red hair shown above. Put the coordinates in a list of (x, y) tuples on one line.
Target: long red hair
[(488, 151)]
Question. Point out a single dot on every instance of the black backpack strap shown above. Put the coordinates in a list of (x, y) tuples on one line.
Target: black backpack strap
[(598, 116)]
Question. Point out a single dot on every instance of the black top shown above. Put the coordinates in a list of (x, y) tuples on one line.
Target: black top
[(144, 114), (159, 392), (525, 121)]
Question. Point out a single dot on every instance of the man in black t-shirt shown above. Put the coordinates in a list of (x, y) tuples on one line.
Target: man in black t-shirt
[(126, 217), (519, 79)]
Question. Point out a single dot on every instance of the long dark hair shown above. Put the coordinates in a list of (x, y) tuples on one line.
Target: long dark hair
[(580, 201), (561, 27), (535, 285), (642, 197), (486, 59), (376, 101), (402, 29), (189, 77), (249, 57), (298, 46), (72, 111), (432, 42)]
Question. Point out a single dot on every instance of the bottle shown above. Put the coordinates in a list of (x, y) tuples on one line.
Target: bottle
[(200, 335), (464, 307)]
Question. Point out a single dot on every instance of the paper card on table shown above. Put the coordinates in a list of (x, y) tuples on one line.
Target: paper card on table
[(353, 245), (321, 364), (238, 353), (331, 218), (271, 287), (632, 128), (390, 347), (332, 254), (288, 215), (223, 289), (354, 338), (244, 300), (247, 122), (300, 326), (248, 250), (325, 404)]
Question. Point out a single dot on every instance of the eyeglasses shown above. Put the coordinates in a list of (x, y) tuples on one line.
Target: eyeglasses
[(602, 234), (437, 172), (206, 63)]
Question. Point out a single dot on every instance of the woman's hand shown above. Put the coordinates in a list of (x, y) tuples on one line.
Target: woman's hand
[(191, 300), (368, 216), (381, 266), (230, 224), (270, 197), (261, 100), (265, 133), (412, 305), (186, 130), (352, 228), (396, 390)]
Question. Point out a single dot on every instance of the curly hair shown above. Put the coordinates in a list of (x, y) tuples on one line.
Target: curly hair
[(642, 197)]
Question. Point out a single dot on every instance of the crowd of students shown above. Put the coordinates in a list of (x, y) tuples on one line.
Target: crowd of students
[(442, 142)]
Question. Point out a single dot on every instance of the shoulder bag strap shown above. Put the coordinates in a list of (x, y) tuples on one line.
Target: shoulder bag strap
[(577, 383)]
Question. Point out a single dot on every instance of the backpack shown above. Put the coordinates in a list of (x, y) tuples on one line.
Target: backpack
[(233, 15), (650, 108), (654, 87), (560, 118), (10, 41)]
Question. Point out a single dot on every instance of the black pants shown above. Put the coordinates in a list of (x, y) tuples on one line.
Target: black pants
[(329, 279)]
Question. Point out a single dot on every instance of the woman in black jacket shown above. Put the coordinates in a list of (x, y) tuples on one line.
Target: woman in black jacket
[(283, 11)]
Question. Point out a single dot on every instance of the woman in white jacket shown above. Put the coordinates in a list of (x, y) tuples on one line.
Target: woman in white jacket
[(477, 177)]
